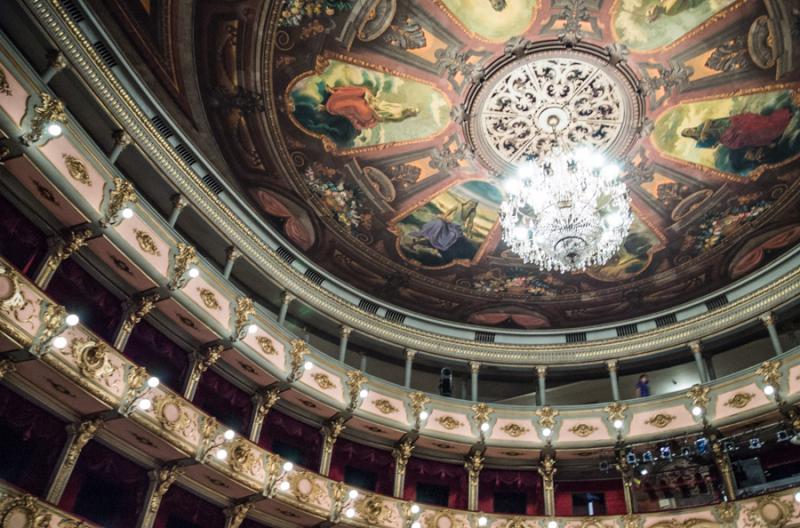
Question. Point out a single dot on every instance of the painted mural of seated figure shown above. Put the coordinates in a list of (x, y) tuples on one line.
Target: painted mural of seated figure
[(670, 8), (442, 232), (749, 136), (362, 108)]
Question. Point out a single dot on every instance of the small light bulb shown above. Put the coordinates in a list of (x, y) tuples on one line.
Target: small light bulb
[(416, 524), (618, 424), (485, 426), (423, 415), (284, 486), (60, 342), (221, 454), (644, 471), (769, 390), (153, 382), (697, 410), (350, 513), (288, 466), (552, 524), (252, 329), (144, 404), (415, 508), (547, 431), (363, 393), (72, 320), (482, 521), (54, 129), (194, 272), (797, 497), (229, 434), (308, 365), (127, 213), (353, 494)]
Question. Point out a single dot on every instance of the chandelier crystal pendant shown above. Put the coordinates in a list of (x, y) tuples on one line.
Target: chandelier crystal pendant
[(566, 211)]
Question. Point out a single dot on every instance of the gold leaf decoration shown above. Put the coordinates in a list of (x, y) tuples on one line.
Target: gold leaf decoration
[(582, 430), (514, 430), (661, 420), (266, 345), (77, 170), (385, 406), (209, 299), (146, 243), (448, 422), (740, 400), (5, 88), (323, 381)]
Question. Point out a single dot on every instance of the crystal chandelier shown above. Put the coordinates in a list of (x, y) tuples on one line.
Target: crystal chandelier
[(566, 211)]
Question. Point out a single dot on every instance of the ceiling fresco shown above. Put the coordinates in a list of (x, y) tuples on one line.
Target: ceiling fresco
[(372, 135)]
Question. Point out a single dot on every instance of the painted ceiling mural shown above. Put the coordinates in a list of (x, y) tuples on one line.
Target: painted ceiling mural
[(364, 131)]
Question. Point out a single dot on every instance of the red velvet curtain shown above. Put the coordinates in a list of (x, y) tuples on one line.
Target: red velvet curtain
[(494, 480), (21, 242), (184, 506), (224, 401), (127, 484), (306, 439), (365, 458), (82, 294), (454, 476), (32, 440), (160, 356), (611, 489)]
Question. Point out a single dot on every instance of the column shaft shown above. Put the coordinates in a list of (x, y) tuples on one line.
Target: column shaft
[(409, 365), (474, 367), (286, 299), (542, 372), (612, 375), (769, 322), (344, 335), (696, 349), (79, 436)]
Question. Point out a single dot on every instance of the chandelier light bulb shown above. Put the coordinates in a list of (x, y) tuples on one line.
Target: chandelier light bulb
[(423, 415), (552, 524), (229, 435), (350, 513), (72, 320), (353, 494), (697, 410), (194, 272), (54, 129), (363, 393), (797, 497), (60, 342), (482, 521), (284, 486), (416, 524), (618, 424), (769, 390), (127, 213), (485, 426), (644, 471), (153, 382), (221, 454), (252, 329), (547, 432), (144, 404), (415, 508), (288, 466), (308, 365)]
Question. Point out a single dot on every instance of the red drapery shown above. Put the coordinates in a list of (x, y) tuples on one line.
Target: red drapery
[(21, 242), (611, 489), (527, 482), (439, 474), (160, 356), (189, 508), (302, 437), (222, 400), (365, 458)]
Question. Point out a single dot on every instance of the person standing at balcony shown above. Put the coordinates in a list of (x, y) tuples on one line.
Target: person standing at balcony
[(643, 387)]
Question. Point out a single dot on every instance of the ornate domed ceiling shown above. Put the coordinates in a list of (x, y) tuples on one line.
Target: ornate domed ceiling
[(376, 136)]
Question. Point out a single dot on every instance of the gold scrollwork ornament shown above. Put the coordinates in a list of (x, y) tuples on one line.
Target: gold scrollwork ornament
[(385, 406), (449, 423), (23, 512), (583, 430), (209, 299), (514, 430), (77, 170), (146, 243), (266, 345), (171, 414), (323, 381), (740, 400), (661, 420)]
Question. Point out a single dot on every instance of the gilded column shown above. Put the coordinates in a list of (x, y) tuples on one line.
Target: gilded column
[(697, 352), (612, 375), (236, 514), (723, 464), (474, 367), (547, 470), (79, 435), (201, 361), (59, 251), (344, 335), (231, 256), (286, 299), (137, 311), (769, 321), (262, 403), (178, 203), (473, 465), (160, 482), (401, 453), (330, 433), (410, 355), (542, 373)]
